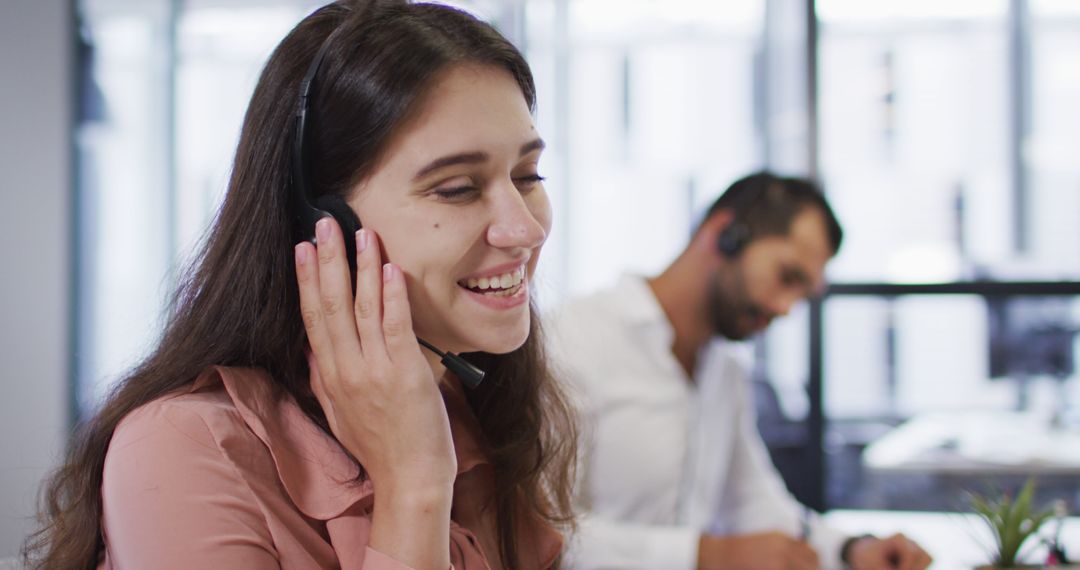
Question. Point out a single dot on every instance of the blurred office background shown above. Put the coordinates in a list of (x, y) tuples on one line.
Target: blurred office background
[(944, 132)]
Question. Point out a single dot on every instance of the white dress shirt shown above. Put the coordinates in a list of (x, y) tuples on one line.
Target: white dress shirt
[(664, 458)]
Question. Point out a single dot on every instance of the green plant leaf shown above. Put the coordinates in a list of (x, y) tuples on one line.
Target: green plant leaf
[(1011, 521)]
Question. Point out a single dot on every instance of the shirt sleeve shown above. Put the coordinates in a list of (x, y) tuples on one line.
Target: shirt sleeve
[(756, 498), (173, 500)]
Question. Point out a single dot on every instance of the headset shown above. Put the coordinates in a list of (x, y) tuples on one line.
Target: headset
[(308, 212), (733, 238)]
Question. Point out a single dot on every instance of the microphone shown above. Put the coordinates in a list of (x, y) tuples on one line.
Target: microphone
[(470, 375)]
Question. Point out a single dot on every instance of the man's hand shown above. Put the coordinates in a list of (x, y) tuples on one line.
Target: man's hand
[(894, 553), (763, 551)]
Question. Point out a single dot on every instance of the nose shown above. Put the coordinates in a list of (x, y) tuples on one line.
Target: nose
[(519, 220), (784, 303)]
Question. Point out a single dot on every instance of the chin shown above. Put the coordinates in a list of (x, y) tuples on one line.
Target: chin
[(506, 342)]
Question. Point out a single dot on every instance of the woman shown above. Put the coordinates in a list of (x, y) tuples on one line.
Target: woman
[(273, 426)]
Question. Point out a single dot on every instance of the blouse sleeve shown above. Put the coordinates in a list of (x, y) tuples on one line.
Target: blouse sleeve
[(173, 500)]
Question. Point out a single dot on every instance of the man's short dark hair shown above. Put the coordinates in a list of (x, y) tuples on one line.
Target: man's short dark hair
[(767, 204)]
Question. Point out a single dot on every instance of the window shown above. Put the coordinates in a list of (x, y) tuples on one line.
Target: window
[(943, 133), (650, 110), (942, 128)]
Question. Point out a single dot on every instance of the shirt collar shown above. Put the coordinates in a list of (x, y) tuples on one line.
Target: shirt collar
[(318, 474), (639, 306)]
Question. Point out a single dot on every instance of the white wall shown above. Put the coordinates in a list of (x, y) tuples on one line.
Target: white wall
[(35, 203)]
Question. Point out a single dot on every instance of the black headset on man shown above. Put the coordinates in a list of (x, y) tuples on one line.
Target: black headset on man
[(737, 234), (309, 212), (733, 238)]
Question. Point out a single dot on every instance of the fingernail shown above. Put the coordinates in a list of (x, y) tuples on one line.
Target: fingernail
[(361, 240), (387, 272), (301, 254), (322, 230)]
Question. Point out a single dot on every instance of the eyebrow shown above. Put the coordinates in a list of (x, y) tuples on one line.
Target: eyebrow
[(532, 146), (473, 158)]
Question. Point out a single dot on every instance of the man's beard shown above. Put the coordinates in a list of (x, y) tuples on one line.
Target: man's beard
[(731, 312)]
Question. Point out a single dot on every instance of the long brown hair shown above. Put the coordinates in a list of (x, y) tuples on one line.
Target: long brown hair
[(238, 304)]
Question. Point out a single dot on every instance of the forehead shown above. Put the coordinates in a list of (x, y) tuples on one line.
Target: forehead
[(466, 105), (806, 246)]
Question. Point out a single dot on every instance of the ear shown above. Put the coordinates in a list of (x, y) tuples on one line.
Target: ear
[(710, 230)]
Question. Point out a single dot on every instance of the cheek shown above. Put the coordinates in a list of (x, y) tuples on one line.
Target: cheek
[(540, 207), (756, 286)]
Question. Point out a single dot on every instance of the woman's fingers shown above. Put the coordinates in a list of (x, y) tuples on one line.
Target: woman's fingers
[(368, 307), (307, 277), (397, 317), (378, 327), (335, 292)]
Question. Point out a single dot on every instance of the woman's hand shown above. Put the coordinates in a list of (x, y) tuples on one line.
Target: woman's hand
[(377, 391)]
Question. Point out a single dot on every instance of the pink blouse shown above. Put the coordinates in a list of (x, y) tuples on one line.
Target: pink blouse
[(232, 474)]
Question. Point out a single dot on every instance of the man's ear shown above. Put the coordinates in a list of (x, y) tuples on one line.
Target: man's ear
[(709, 232)]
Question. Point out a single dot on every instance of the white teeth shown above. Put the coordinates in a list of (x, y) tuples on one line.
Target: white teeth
[(506, 292), (500, 284)]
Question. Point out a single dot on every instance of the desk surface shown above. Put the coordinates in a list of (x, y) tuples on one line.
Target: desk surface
[(977, 443), (956, 541)]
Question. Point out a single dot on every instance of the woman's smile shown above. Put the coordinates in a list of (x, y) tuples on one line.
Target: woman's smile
[(499, 290)]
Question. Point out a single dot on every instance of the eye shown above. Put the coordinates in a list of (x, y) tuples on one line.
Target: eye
[(456, 193), (528, 182), (791, 278)]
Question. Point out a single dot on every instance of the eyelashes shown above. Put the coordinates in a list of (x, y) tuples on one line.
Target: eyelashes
[(467, 192), (455, 194), (530, 180)]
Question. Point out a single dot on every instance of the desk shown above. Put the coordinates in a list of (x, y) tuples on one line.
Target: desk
[(977, 443), (956, 541)]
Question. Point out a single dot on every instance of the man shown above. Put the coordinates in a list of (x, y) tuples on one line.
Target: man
[(674, 473)]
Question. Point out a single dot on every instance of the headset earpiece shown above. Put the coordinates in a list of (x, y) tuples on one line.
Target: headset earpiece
[(733, 239)]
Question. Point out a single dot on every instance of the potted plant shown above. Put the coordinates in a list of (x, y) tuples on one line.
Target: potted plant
[(1012, 521)]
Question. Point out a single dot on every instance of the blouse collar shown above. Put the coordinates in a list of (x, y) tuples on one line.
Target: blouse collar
[(318, 474)]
